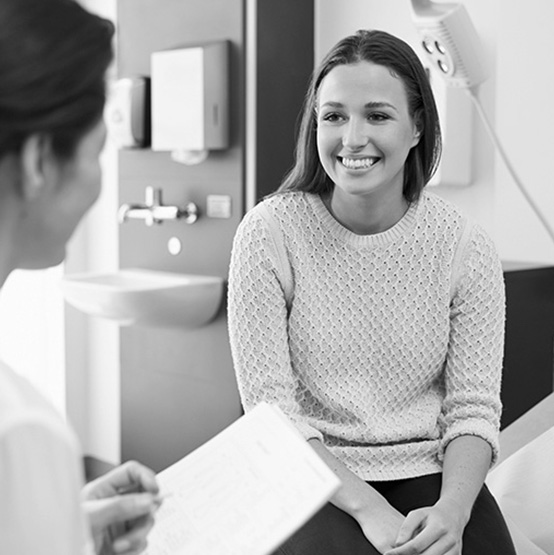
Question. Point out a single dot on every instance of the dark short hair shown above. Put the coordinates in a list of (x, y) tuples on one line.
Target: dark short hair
[(53, 59), (382, 48)]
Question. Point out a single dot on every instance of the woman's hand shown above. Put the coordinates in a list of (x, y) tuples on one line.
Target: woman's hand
[(438, 530), (120, 506), (381, 526), (378, 519), (435, 530)]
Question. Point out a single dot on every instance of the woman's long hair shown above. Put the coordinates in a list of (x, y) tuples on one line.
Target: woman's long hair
[(387, 50)]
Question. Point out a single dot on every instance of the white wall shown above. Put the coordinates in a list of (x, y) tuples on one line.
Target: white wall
[(517, 46), (525, 118), (92, 345)]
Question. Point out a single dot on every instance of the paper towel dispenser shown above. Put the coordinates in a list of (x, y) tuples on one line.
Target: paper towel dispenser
[(190, 100)]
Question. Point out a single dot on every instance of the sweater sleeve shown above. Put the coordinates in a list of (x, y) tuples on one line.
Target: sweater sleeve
[(474, 361), (258, 323)]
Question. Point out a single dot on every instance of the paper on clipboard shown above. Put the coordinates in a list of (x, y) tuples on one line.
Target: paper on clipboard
[(244, 492)]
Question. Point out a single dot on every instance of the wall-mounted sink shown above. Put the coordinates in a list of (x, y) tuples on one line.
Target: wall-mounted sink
[(146, 297)]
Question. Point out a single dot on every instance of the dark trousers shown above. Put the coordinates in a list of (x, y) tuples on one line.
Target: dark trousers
[(334, 532)]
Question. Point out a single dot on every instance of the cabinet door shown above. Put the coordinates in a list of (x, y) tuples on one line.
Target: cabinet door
[(529, 347)]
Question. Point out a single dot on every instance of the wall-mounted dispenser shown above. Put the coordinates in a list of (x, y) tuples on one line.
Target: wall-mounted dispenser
[(128, 112), (190, 98)]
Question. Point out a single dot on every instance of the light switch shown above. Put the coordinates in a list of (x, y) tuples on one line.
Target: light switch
[(218, 206)]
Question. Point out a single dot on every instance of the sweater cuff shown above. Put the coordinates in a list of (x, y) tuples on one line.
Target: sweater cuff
[(473, 427)]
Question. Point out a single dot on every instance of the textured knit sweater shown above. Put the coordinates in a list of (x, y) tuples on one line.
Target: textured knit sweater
[(385, 347)]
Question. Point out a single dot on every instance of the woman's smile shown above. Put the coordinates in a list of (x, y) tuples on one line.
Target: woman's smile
[(358, 164)]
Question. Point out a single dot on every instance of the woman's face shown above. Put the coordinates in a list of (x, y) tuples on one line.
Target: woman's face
[(72, 186), (364, 130)]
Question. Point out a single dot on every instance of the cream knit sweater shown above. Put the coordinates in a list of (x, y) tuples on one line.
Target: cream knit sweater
[(392, 344)]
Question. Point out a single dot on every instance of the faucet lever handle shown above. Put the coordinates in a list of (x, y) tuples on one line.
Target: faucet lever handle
[(153, 211), (152, 196)]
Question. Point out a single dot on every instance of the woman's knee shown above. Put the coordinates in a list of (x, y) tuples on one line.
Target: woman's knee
[(486, 532), (330, 531)]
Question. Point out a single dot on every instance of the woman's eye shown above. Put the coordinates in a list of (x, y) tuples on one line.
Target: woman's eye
[(377, 117), (332, 117)]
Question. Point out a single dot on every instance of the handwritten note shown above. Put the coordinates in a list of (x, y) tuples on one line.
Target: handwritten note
[(243, 492)]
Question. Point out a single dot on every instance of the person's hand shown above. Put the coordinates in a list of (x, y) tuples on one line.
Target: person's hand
[(435, 530), (120, 506), (381, 526)]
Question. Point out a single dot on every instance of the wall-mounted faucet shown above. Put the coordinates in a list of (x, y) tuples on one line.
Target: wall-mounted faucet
[(154, 212)]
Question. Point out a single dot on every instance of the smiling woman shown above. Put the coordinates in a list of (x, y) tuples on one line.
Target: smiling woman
[(372, 313), (365, 134)]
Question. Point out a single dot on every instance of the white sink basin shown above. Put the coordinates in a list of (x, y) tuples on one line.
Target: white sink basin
[(146, 297)]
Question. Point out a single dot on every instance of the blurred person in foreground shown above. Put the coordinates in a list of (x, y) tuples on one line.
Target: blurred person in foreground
[(53, 59)]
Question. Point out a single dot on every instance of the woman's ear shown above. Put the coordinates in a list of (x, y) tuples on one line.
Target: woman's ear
[(418, 129), (32, 159)]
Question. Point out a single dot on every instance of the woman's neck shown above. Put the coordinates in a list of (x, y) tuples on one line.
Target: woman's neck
[(366, 215)]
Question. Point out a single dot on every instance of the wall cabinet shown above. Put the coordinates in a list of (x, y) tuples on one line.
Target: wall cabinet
[(529, 348)]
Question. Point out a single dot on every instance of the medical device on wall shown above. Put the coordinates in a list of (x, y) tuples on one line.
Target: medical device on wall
[(190, 98), (451, 43)]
